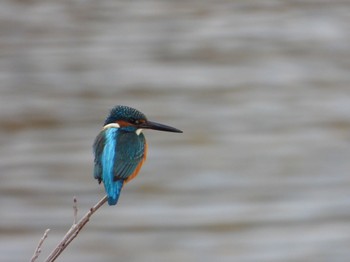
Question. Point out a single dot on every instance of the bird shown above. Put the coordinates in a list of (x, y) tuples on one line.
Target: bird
[(120, 148)]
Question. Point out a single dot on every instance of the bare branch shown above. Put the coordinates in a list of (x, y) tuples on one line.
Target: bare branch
[(75, 209), (74, 230), (38, 248)]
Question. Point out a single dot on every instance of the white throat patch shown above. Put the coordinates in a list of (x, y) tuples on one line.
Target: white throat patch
[(138, 131)]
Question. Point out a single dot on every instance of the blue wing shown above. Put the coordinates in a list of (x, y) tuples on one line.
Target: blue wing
[(117, 155), (130, 153), (98, 149)]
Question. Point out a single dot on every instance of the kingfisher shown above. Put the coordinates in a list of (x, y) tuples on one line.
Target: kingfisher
[(120, 149)]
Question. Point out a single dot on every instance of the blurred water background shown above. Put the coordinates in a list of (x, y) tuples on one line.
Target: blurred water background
[(260, 88)]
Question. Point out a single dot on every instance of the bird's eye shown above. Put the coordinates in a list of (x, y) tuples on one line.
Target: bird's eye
[(137, 122)]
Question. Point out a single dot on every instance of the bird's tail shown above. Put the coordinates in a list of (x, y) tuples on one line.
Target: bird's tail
[(113, 191)]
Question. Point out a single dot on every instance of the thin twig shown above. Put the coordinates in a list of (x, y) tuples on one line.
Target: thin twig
[(75, 210), (38, 248), (74, 231)]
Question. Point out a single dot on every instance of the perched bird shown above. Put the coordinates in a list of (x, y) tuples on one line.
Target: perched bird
[(120, 148)]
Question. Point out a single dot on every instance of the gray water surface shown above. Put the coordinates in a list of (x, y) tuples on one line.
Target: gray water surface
[(260, 88)]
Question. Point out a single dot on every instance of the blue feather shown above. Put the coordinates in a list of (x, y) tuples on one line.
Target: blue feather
[(112, 187), (98, 149), (117, 155), (130, 152)]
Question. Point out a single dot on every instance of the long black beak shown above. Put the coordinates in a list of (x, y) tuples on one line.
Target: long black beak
[(158, 126)]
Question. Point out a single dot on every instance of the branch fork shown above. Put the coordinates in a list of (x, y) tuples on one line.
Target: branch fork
[(76, 227)]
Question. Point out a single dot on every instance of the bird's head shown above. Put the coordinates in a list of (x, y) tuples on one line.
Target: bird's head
[(132, 120)]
